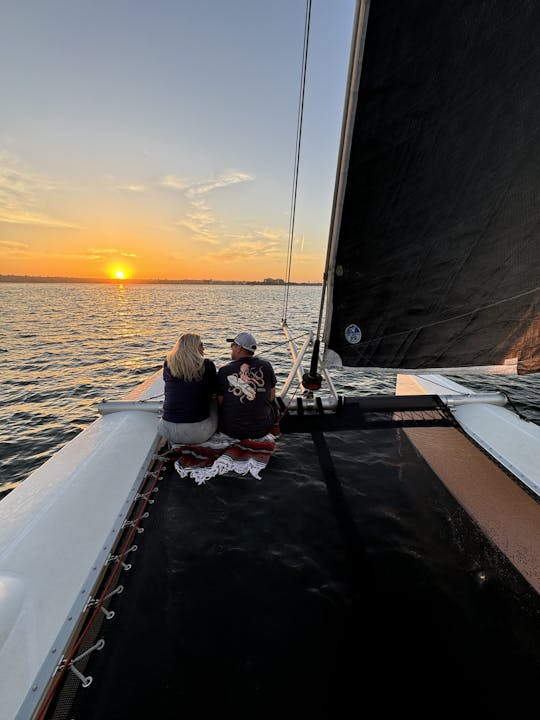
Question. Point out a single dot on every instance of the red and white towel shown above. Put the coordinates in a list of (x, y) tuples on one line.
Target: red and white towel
[(223, 454)]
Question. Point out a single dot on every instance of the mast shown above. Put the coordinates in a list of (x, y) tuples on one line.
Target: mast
[(351, 99)]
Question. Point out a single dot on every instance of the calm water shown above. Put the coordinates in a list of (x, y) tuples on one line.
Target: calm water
[(65, 347)]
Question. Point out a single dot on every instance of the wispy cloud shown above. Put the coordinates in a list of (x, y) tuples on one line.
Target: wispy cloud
[(99, 253), (8, 248), (192, 190), (27, 218), (20, 191), (202, 224), (132, 188), (12, 249), (254, 244), (201, 220), (174, 183), (229, 177), (11, 245)]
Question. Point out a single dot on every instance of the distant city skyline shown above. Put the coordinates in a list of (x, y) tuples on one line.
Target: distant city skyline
[(157, 140), (141, 280)]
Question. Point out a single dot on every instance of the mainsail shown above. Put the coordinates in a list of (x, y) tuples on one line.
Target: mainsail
[(434, 259)]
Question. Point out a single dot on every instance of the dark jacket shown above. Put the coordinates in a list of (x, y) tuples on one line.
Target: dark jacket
[(188, 401)]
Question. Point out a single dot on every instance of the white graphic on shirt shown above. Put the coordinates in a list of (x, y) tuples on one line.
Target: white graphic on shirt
[(244, 384)]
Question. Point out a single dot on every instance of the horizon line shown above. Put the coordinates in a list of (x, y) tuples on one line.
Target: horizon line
[(141, 281)]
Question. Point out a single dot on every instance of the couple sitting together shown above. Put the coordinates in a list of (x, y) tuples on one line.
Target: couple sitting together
[(244, 388)]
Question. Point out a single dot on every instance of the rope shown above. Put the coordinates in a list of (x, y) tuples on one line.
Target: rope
[(296, 161), (287, 407)]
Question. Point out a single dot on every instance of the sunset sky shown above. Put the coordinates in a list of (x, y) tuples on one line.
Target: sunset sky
[(156, 138)]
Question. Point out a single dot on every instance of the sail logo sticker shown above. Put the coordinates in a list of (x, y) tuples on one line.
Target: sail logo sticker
[(353, 334)]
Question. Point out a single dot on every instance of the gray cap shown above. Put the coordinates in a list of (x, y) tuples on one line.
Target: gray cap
[(245, 340)]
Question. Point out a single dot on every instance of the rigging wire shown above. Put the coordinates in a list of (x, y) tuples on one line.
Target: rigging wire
[(296, 161)]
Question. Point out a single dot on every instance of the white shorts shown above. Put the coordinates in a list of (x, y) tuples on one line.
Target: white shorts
[(190, 433)]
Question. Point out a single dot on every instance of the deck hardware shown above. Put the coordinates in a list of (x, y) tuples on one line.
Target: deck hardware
[(106, 407), (86, 680), (117, 558), (61, 663), (146, 496), (489, 398), (154, 474), (125, 565), (132, 523), (93, 602)]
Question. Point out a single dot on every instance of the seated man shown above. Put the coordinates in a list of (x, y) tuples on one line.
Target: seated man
[(246, 391)]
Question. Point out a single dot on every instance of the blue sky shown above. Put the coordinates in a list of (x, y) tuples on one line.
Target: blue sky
[(159, 136)]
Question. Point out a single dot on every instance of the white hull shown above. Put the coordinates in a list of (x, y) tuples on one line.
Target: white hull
[(56, 531)]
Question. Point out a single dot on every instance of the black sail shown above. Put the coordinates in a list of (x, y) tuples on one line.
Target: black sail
[(436, 253)]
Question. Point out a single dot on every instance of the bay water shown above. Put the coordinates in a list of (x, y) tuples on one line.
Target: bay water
[(65, 347)]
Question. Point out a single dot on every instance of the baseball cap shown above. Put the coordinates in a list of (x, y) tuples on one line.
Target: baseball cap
[(245, 340)]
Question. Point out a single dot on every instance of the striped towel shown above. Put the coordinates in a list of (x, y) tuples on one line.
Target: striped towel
[(223, 454)]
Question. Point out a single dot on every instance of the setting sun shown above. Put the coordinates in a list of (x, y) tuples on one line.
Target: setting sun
[(119, 272)]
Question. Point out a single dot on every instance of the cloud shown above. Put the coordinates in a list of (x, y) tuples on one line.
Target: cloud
[(229, 177), (8, 248), (132, 188), (194, 190), (255, 244), (260, 234), (18, 250), (201, 221), (170, 181), (19, 196), (11, 245), (18, 218), (99, 253)]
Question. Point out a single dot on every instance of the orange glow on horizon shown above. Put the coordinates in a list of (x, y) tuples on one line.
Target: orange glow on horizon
[(151, 261)]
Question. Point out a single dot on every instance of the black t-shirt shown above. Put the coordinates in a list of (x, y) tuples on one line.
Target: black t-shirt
[(245, 385), (188, 401)]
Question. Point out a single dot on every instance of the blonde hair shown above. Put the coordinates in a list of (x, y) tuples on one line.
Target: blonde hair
[(185, 360)]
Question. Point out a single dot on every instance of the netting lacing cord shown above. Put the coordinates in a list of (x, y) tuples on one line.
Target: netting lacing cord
[(103, 596)]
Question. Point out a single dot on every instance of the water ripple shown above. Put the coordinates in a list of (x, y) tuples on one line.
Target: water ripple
[(98, 341)]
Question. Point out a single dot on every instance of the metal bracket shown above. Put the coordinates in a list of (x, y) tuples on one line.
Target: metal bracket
[(133, 523), (117, 558), (94, 602), (86, 680), (146, 496)]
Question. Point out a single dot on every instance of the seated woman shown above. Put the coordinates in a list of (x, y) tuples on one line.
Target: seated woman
[(189, 409)]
